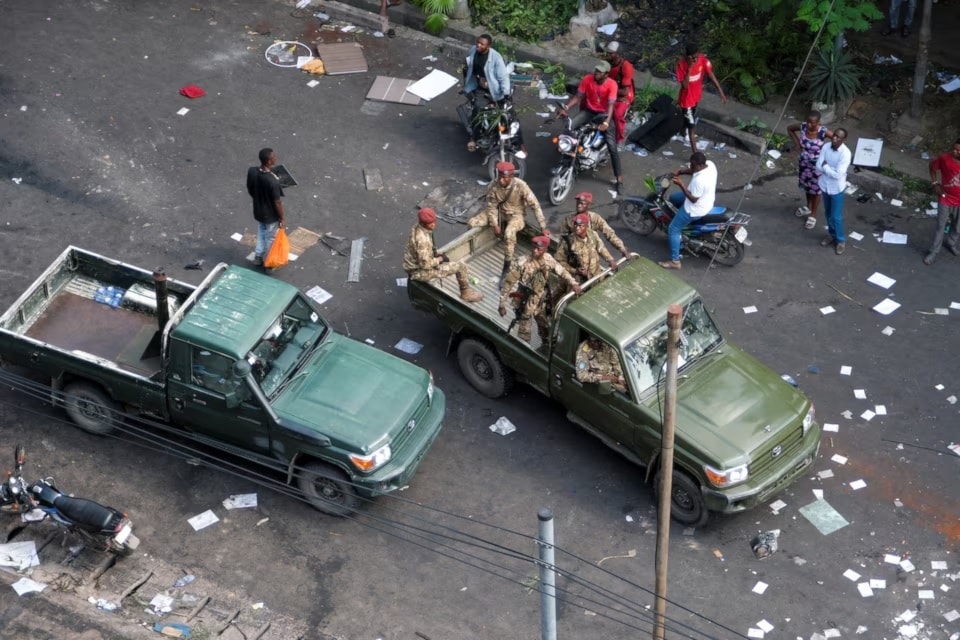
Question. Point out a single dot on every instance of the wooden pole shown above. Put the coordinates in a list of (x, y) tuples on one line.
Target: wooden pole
[(923, 56)]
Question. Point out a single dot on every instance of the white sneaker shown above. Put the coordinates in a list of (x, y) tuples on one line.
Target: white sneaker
[(520, 154)]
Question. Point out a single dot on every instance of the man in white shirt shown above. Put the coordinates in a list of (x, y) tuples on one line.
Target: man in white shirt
[(833, 163), (697, 199)]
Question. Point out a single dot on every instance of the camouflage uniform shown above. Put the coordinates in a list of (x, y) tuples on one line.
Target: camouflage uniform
[(532, 272), (421, 262), (585, 253), (594, 364), (512, 202), (598, 225)]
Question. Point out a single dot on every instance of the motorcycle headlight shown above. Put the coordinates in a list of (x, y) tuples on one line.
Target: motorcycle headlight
[(566, 144), (809, 419), (514, 128), (373, 461), (726, 477)]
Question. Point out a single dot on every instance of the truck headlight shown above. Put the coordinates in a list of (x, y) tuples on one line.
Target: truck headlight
[(809, 419), (373, 461), (727, 477)]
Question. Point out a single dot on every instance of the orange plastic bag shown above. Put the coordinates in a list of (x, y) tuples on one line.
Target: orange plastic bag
[(279, 254)]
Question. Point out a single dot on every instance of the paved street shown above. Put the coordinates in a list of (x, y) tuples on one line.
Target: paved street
[(94, 154)]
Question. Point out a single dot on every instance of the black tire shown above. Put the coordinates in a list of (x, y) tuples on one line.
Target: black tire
[(482, 368), (730, 252), (637, 217), (91, 408), (561, 185), (519, 163), (328, 489), (686, 501)]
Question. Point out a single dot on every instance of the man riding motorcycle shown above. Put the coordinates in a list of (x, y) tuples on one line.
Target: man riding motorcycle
[(692, 201)]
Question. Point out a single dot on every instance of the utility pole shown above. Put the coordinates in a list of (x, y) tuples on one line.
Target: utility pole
[(674, 319), (548, 591), (923, 55)]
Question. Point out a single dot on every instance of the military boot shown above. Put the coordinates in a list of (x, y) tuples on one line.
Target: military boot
[(468, 293), (503, 274)]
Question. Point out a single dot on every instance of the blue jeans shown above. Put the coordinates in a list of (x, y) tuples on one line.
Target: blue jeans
[(679, 221), (265, 234), (908, 14), (833, 206)]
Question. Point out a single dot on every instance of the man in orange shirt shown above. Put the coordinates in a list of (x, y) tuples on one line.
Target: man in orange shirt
[(690, 71), (597, 95), (621, 72)]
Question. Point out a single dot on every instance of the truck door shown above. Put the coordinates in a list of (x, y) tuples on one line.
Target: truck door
[(197, 399)]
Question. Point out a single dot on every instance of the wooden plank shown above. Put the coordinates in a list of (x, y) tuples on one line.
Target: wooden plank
[(342, 57)]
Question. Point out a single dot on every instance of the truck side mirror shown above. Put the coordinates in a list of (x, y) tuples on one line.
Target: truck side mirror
[(233, 398)]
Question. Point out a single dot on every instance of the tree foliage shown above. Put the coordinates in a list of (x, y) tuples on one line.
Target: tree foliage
[(524, 19)]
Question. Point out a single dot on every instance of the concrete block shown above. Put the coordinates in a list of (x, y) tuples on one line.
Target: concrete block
[(583, 28), (874, 182), (353, 15), (731, 135)]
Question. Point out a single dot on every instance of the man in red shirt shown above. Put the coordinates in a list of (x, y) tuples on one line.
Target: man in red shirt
[(690, 71), (945, 176), (597, 95), (621, 72)]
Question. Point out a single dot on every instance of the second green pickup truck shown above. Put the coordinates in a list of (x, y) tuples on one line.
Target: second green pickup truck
[(742, 433)]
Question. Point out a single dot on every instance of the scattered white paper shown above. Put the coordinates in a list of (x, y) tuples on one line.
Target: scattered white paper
[(241, 501), (859, 394), (831, 633), (951, 615), (162, 603), (889, 237), (881, 280), (754, 633), (503, 426), (408, 346), (183, 111), (750, 309), (777, 506), (868, 415), (318, 294), (608, 29), (851, 575), (938, 565), (26, 585), (629, 518), (831, 426), (818, 494), (886, 306), (847, 414), (846, 370), (202, 520), (955, 305), (890, 558), (826, 473), (907, 615), (887, 331), (773, 153), (839, 459), (941, 311), (853, 235), (951, 86), (237, 237), (432, 84), (19, 555), (313, 83), (369, 341), (302, 60), (867, 153), (760, 587), (765, 626), (880, 410), (952, 399), (827, 310), (896, 203), (857, 484), (864, 589), (925, 594), (401, 282), (878, 584)]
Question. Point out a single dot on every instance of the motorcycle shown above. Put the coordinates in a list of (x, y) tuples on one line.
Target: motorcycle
[(581, 150), (497, 131), (98, 526), (719, 234)]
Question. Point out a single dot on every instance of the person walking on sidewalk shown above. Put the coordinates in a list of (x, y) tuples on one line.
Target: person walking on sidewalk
[(945, 176), (264, 188), (423, 262), (833, 162), (808, 139), (894, 17), (690, 71), (692, 202)]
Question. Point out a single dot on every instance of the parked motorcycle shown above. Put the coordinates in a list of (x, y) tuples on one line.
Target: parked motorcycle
[(582, 150), (98, 526), (719, 234), (495, 129)]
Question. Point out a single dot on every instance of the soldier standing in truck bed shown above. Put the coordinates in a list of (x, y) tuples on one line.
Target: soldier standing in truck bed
[(580, 251), (597, 223)]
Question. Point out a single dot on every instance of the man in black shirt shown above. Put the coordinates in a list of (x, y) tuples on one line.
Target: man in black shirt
[(264, 187)]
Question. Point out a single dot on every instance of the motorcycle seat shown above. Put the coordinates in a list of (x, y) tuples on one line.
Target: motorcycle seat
[(717, 214), (86, 513)]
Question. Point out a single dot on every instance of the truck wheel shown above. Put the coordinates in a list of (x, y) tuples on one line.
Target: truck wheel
[(686, 502), (90, 408), (482, 368), (328, 489)]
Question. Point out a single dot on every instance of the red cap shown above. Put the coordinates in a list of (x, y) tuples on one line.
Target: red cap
[(584, 195), (426, 215), (506, 168), (541, 241), (581, 219)]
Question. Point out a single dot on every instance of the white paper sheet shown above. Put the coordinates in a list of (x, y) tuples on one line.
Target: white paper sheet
[(889, 237), (839, 459), (853, 235), (846, 370), (203, 520), (318, 294), (886, 306), (827, 310), (851, 575), (831, 427), (241, 501), (750, 309), (881, 280), (408, 346), (859, 394), (26, 585), (864, 589), (868, 152), (857, 484), (432, 84)]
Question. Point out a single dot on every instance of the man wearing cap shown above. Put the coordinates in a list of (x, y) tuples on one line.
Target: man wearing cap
[(580, 251), (621, 72), (597, 95), (422, 262), (530, 276), (597, 223), (507, 200), (598, 362)]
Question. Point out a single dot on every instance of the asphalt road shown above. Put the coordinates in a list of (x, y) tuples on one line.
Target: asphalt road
[(94, 154)]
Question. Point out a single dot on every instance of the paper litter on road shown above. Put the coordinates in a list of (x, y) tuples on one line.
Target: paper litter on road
[(765, 626), (408, 346), (891, 558), (202, 520), (162, 603), (19, 555), (952, 399), (925, 594), (881, 280), (868, 415), (887, 331), (237, 237), (839, 459), (851, 575), (847, 414), (26, 585), (182, 112), (777, 506), (750, 309), (938, 565), (754, 633), (846, 370), (951, 615), (827, 310), (940, 311), (853, 235), (886, 306), (318, 294), (857, 484), (938, 387), (826, 473), (955, 305), (818, 494), (889, 237), (878, 584), (760, 587), (831, 633), (907, 615), (608, 29), (896, 203), (831, 426), (823, 516), (864, 589), (773, 153), (880, 410), (402, 282), (241, 501), (432, 85), (859, 394), (313, 83), (503, 426)]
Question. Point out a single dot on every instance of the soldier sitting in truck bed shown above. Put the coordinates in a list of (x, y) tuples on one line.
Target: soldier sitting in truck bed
[(580, 252), (422, 262)]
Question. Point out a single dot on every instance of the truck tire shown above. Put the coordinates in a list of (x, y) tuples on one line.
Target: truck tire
[(686, 502), (328, 489), (90, 408), (482, 368)]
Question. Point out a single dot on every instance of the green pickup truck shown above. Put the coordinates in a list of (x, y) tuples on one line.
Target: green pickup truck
[(242, 362), (742, 433)]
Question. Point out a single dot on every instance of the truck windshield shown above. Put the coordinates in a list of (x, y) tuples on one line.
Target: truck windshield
[(646, 357), (285, 346)]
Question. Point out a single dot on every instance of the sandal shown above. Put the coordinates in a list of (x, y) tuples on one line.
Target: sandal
[(810, 223), (802, 212)]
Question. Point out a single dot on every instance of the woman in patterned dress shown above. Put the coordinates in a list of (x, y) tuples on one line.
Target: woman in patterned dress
[(808, 138)]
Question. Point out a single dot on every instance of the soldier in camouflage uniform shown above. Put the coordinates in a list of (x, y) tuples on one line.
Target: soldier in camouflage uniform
[(580, 251), (507, 200), (598, 362), (530, 277), (597, 223), (422, 262)]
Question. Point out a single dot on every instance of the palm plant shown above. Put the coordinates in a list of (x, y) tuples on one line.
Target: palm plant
[(437, 13), (834, 77)]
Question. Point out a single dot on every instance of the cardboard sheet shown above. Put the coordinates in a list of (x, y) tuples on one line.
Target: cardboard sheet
[(387, 89)]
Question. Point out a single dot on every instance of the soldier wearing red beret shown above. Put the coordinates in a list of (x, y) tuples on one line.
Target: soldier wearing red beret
[(423, 262)]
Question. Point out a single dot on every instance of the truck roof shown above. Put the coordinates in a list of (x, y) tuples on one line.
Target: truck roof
[(621, 308), (234, 313)]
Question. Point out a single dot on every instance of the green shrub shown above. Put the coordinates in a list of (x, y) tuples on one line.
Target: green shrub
[(834, 77), (527, 20)]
